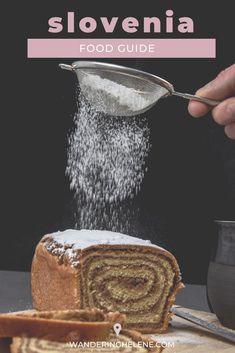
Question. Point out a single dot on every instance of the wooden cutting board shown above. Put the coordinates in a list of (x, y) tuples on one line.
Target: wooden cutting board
[(186, 337), (190, 338)]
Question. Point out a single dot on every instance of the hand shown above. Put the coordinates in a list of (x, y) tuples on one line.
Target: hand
[(222, 88)]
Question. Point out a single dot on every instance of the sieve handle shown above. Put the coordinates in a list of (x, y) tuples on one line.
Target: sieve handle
[(211, 102)]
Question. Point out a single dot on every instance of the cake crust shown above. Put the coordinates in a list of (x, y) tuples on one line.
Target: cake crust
[(55, 284), (58, 275)]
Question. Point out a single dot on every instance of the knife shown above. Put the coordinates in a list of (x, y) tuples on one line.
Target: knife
[(214, 328)]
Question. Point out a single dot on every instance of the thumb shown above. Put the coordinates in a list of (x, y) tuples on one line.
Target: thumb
[(222, 87)]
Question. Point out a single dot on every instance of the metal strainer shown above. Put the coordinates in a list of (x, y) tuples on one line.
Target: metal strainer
[(123, 91)]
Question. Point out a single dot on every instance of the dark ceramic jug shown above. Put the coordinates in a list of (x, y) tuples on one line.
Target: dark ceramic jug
[(221, 274)]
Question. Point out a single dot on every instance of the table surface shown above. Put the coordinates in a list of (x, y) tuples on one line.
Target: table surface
[(15, 293)]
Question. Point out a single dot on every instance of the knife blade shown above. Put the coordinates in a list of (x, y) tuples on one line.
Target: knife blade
[(215, 329)]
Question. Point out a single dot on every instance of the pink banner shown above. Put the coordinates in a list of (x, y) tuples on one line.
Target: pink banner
[(121, 48)]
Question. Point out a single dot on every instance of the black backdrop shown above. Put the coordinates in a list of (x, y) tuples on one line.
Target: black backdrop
[(191, 177)]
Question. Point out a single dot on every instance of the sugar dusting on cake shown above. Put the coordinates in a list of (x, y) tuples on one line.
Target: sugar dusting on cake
[(66, 244)]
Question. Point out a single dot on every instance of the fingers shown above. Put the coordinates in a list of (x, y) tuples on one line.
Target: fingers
[(197, 109), (230, 131), (224, 113), (222, 87)]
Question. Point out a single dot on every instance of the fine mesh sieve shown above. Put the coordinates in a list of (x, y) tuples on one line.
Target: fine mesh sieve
[(122, 91)]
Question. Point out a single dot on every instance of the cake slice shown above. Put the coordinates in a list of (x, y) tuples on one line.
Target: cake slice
[(62, 326), (126, 342), (109, 271)]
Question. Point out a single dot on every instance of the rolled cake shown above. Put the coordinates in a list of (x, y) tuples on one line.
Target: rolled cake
[(60, 326), (109, 271), (126, 342)]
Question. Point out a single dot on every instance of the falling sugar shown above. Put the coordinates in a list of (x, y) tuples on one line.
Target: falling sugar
[(106, 166)]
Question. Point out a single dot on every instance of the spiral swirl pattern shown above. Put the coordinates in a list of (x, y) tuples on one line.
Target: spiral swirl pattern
[(137, 284)]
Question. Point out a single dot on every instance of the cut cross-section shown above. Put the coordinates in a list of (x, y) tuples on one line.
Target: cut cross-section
[(108, 271), (141, 283)]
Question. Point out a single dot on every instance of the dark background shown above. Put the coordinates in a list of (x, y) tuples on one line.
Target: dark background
[(191, 176)]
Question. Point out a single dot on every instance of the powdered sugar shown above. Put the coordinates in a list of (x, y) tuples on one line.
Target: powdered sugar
[(115, 97), (66, 244), (84, 238), (106, 166)]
